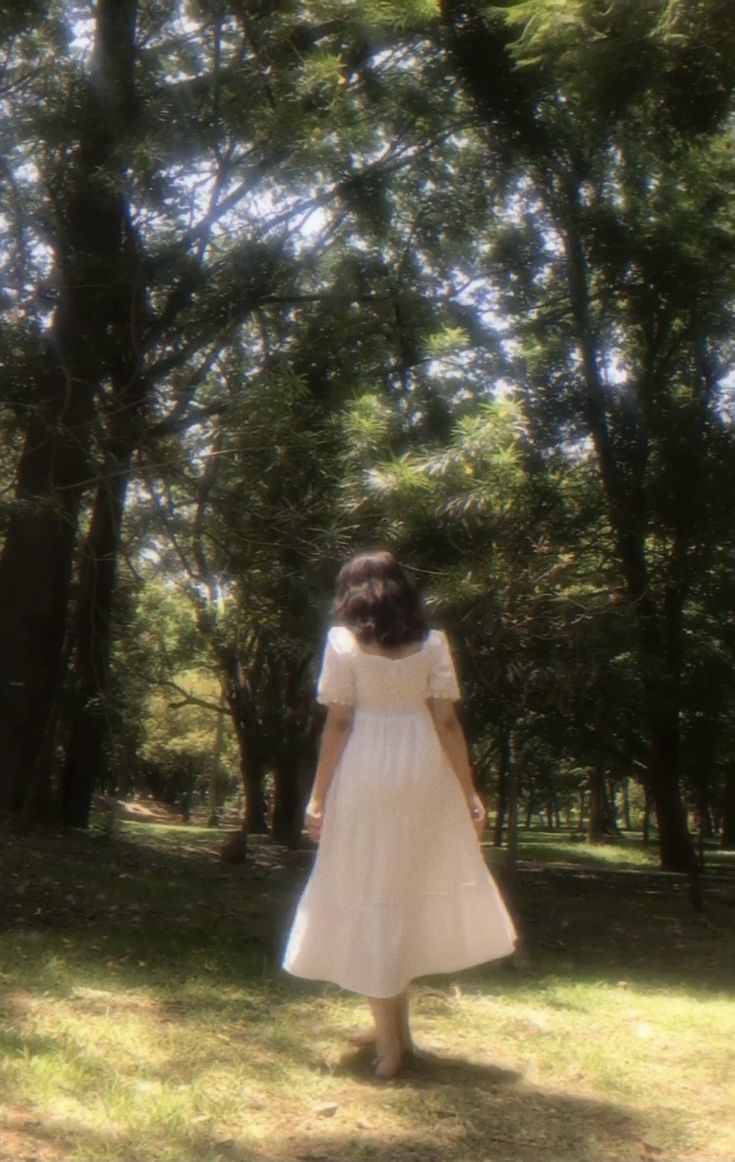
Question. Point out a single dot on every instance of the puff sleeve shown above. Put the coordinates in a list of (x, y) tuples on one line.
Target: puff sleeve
[(443, 677), (336, 680)]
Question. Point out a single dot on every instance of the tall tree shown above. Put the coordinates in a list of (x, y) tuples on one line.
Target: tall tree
[(163, 179), (626, 190), (93, 336)]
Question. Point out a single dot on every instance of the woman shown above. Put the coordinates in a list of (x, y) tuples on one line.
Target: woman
[(399, 888)]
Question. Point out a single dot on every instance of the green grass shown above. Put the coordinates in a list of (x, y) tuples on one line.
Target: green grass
[(626, 852), (143, 1016), (563, 847)]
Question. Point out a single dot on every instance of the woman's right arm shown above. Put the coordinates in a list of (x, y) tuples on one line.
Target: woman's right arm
[(334, 739), (453, 741)]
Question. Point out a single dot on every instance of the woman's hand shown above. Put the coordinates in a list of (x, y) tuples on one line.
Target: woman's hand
[(313, 819), (478, 813)]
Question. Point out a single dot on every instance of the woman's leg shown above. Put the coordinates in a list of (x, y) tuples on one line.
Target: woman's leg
[(404, 1019), (389, 1047), (368, 1035)]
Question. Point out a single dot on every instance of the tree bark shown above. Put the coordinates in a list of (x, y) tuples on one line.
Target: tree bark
[(256, 806), (675, 842), (85, 752), (35, 584), (288, 802)]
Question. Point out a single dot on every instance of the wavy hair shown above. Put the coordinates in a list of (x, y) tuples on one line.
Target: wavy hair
[(376, 599)]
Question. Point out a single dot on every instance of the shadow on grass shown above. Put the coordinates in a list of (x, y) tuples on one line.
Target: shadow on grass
[(494, 1112), (36, 1139), (520, 1140), (158, 908), (160, 916), (422, 1068), (442, 1107)]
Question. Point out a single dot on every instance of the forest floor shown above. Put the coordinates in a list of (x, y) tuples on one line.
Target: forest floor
[(144, 1019)]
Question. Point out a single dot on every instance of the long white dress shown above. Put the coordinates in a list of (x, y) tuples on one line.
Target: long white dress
[(399, 888)]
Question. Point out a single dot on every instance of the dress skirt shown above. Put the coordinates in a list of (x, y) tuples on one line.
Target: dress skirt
[(399, 888)]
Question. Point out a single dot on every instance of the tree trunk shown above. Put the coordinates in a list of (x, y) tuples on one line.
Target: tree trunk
[(213, 785), (35, 583), (84, 758), (582, 808), (502, 796), (676, 848), (530, 808), (659, 629), (85, 753), (727, 839), (611, 806), (252, 770), (626, 804), (53, 472), (511, 859), (675, 842), (295, 769), (288, 804), (253, 764), (256, 806), (647, 808), (503, 778), (597, 827)]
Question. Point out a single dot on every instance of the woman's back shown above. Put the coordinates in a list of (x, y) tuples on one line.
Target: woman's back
[(380, 683)]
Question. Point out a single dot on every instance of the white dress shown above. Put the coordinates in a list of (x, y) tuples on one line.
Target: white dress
[(399, 888)]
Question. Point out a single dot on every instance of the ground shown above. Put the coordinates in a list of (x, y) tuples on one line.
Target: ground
[(145, 1018)]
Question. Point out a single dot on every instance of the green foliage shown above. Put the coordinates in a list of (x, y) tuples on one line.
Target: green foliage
[(674, 55), (455, 277)]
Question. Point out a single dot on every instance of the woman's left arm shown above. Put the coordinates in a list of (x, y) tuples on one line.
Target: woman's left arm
[(453, 741)]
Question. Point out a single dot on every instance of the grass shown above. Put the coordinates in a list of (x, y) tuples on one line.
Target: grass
[(144, 1016), (566, 847), (627, 852)]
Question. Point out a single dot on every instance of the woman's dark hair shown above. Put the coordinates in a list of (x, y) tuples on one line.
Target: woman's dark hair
[(376, 600)]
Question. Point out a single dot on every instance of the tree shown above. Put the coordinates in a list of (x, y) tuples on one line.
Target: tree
[(630, 241), (254, 255), (93, 337), (544, 650), (179, 156)]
